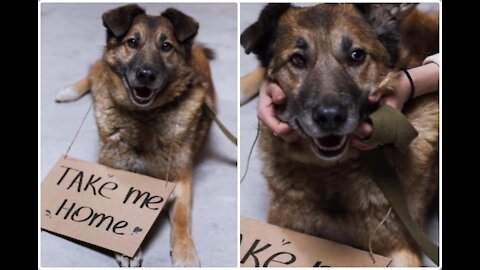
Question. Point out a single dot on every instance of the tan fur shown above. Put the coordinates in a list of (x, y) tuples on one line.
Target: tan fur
[(82, 87), (182, 253), (250, 84), (144, 141), (421, 38), (341, 202)]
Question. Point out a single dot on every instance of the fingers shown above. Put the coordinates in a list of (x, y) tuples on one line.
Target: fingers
[(290, 136), (393, 99), (270, 95), (268, 116), (278, 96), (393, 103), (375, 97), (363, 131)]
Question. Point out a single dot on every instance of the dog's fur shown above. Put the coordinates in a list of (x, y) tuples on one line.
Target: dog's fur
[(309, 53), (149, 89)]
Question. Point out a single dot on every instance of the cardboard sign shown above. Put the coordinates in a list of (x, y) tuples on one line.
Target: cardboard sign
[(266, 245), (109, 208)]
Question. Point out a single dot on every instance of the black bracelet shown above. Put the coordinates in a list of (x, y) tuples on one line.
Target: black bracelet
[(412, 86)]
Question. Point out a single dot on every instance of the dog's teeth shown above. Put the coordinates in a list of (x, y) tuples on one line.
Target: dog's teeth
[(331, 148)]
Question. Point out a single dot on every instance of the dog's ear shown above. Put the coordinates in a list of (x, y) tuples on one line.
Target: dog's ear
[(391, 12), (185, 27), (385, 20), (257, 37), (118, 21)]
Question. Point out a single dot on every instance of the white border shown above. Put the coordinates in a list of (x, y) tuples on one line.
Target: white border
[(440, 216), (239, 134), (39, 180)]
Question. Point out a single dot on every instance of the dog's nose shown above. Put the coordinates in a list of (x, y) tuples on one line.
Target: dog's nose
[(329, 117), (146, 76)]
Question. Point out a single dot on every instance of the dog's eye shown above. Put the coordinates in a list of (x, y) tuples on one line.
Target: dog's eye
[(298, 60), (132, 43), (357, 56), (166, 46)]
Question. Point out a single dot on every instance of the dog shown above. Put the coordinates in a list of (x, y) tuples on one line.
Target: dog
[(327, 59), (149, 90)]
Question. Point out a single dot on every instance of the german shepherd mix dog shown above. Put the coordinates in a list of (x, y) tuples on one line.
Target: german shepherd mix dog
[(328, 59), (149, 89)]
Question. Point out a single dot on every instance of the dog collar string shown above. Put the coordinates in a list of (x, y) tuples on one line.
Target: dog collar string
[(385, 118), (225, 131), (81, 124), (386, 179), (78, 130), (250, 153), (391, 126)]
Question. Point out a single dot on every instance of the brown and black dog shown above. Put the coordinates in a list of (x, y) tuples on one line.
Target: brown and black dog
[(149, 89), (328, 59)]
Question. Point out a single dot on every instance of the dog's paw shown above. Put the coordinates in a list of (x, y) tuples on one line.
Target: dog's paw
[(67, 94), (184, 254), (124, 261)]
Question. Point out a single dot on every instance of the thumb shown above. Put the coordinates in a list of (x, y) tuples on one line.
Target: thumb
[(375, 97), (278, 96)]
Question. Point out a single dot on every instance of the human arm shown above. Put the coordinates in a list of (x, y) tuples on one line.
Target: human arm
[(425, 79)]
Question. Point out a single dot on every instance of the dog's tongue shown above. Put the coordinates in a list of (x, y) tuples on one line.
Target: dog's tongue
[(143, 92)]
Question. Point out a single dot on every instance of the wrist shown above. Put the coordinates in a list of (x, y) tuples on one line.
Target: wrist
[(412, 85), (403, 91)]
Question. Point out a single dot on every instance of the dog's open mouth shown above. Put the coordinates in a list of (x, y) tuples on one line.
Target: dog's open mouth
[(142, 95), (330, 146)]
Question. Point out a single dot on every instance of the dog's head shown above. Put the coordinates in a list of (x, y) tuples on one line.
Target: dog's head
[(327, 59), (147, 52)]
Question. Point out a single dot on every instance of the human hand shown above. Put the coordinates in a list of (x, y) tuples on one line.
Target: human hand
[(395, 99), (269, 96)]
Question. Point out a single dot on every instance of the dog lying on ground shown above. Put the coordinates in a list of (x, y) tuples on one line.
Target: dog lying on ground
[(328, 59), (149, 89)]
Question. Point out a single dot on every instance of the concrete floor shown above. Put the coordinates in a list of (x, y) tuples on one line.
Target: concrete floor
[(72, 38), (254, 190)]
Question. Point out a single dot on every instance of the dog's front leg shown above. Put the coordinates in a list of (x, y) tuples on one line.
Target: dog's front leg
[(183, 248)]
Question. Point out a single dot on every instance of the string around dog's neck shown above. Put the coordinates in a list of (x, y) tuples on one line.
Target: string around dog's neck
[(167, 176), (83, 120), (78, 129), (250, 153)]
